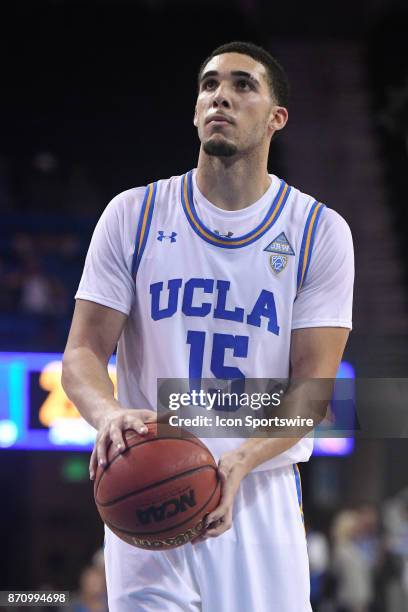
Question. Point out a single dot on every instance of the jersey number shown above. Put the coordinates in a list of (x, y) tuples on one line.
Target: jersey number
[(221, 342)]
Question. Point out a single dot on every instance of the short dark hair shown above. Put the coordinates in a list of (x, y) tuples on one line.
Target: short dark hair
[(277, 78)]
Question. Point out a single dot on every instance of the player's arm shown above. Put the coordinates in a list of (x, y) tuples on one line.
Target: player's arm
[(316, 353), (94, 333)]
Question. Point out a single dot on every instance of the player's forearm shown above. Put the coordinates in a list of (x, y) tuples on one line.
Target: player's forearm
[(86, 381), (255, 451), (302, 408)]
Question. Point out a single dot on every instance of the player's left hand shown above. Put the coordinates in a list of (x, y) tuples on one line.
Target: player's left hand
[(231, 470)]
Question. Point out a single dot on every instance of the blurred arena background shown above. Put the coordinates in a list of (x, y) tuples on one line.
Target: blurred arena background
[(98, 97)]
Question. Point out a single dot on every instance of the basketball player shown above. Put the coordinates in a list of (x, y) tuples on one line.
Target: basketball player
[(224, 272)]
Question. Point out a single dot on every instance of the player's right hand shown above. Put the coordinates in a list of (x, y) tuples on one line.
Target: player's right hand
[(111, 431)]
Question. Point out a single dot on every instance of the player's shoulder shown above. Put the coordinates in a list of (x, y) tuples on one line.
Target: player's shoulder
[(133, 198), (330, 220), (128, 200)]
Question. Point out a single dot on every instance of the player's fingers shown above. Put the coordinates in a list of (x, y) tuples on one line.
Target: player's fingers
[(148, 416), (215, 527), (227, 499), (101, 448), (213, 517), (116, 437), (219, 527), (136, 423), (217, 515), (223, 477), (203, 535), (223, 472), (223, 513), (93, 464), (140, 427)]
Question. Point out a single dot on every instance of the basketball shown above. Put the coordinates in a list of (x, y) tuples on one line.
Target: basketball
[(156, 494)]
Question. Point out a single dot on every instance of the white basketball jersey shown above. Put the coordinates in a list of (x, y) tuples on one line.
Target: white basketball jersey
[(205, 303)]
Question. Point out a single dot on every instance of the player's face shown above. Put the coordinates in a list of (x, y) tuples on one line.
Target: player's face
[(234, 111)]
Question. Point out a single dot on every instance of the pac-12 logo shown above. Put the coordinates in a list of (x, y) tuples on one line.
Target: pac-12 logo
[(278, 263)]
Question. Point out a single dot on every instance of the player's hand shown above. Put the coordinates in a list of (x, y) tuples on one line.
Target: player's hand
[(111, 430), (231, 471)]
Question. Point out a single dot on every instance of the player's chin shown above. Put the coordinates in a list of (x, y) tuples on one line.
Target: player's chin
[(219, 146)]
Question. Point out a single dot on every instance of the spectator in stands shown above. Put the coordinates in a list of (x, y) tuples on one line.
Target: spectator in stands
[(395, 515), (352, 570), (35, 289), (91, 596), (319, 562), (368, 539)]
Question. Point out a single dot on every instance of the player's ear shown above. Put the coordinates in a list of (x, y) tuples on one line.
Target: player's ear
[(279, 118)]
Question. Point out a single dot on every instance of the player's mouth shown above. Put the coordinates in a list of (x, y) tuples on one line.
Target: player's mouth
[(219, 119)]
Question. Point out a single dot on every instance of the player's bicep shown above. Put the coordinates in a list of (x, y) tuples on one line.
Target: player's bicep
[(96, 328), (316, 352), (325, 298), (107, 277)]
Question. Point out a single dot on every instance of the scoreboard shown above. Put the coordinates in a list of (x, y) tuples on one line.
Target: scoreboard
[(36, 414)]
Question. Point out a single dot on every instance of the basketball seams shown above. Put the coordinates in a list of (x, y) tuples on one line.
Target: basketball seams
[(140, 443), (143, 441), (154, 484)]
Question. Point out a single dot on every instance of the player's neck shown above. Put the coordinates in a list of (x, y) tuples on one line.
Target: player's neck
[(231, 184)]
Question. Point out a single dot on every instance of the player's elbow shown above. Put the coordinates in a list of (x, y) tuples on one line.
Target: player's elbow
[(73, 365), (66, 373)]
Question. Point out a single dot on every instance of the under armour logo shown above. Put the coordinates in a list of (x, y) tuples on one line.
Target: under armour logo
[(162, 236), (228, 235)]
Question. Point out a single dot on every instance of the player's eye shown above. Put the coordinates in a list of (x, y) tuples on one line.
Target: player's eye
[(209, 84), (243, 84)]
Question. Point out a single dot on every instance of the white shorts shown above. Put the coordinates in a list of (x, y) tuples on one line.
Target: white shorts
[(259, 565)]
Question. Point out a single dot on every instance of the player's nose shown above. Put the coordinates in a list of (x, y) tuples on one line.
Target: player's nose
[(221, 97), (221, 101)]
